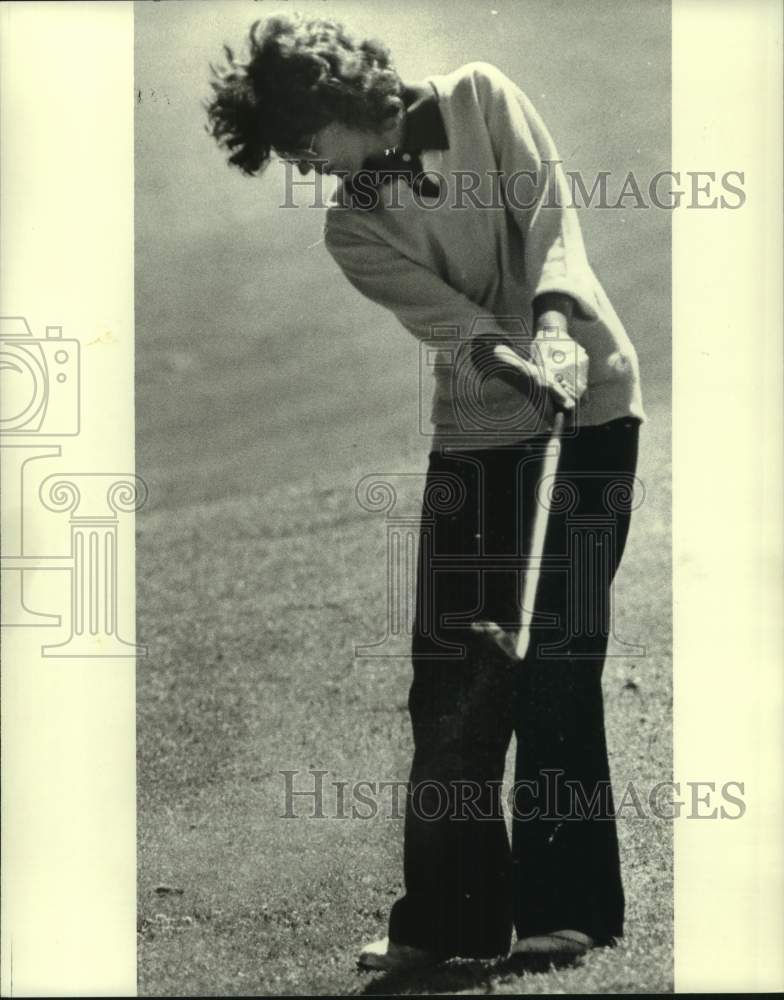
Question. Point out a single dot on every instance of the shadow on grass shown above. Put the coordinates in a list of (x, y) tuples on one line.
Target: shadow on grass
[(461, 975)]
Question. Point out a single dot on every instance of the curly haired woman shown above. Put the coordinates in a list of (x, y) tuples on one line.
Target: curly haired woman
[(452, 211)]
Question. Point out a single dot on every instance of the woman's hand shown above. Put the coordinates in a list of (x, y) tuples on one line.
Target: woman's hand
[(537, 377), (549, 376)]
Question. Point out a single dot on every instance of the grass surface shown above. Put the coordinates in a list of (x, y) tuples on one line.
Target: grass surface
[(251, 608)]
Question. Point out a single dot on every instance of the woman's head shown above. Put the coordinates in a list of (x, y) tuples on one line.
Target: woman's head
[(303, 77)]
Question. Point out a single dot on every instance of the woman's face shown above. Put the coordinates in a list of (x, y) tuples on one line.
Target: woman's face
[(342, 149)]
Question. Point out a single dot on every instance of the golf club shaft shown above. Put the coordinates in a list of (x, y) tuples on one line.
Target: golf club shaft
[(541, 517)]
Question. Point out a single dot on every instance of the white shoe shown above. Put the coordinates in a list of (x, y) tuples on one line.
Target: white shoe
[(571, 943), (385, 956)]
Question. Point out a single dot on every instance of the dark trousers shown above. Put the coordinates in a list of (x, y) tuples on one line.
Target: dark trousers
[(465, 889)]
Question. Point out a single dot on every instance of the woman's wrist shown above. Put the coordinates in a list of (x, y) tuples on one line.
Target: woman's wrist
[(552, 311)]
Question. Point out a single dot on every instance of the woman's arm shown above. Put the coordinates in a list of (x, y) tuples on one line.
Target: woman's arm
[(539, 199), (423, 302), (416, 295)]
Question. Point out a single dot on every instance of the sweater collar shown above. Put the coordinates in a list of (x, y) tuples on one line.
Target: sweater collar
[(423, 129), (424, 125)]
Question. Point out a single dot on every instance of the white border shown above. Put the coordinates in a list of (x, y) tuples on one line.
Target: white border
[(727, 505), (68, 724)]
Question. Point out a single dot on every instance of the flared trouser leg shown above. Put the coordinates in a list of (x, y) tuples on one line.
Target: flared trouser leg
[(465, 888), (565, 847)]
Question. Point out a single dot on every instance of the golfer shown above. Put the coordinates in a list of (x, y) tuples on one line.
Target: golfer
[(454, 212)]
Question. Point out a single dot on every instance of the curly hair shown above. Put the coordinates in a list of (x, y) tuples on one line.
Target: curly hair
[(301, 74)]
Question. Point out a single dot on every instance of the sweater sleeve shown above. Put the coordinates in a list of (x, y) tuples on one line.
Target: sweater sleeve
[(421, 301), (537, 193), (417, 296)]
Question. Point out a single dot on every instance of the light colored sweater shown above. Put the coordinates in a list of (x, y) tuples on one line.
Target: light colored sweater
[(449, 272)]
